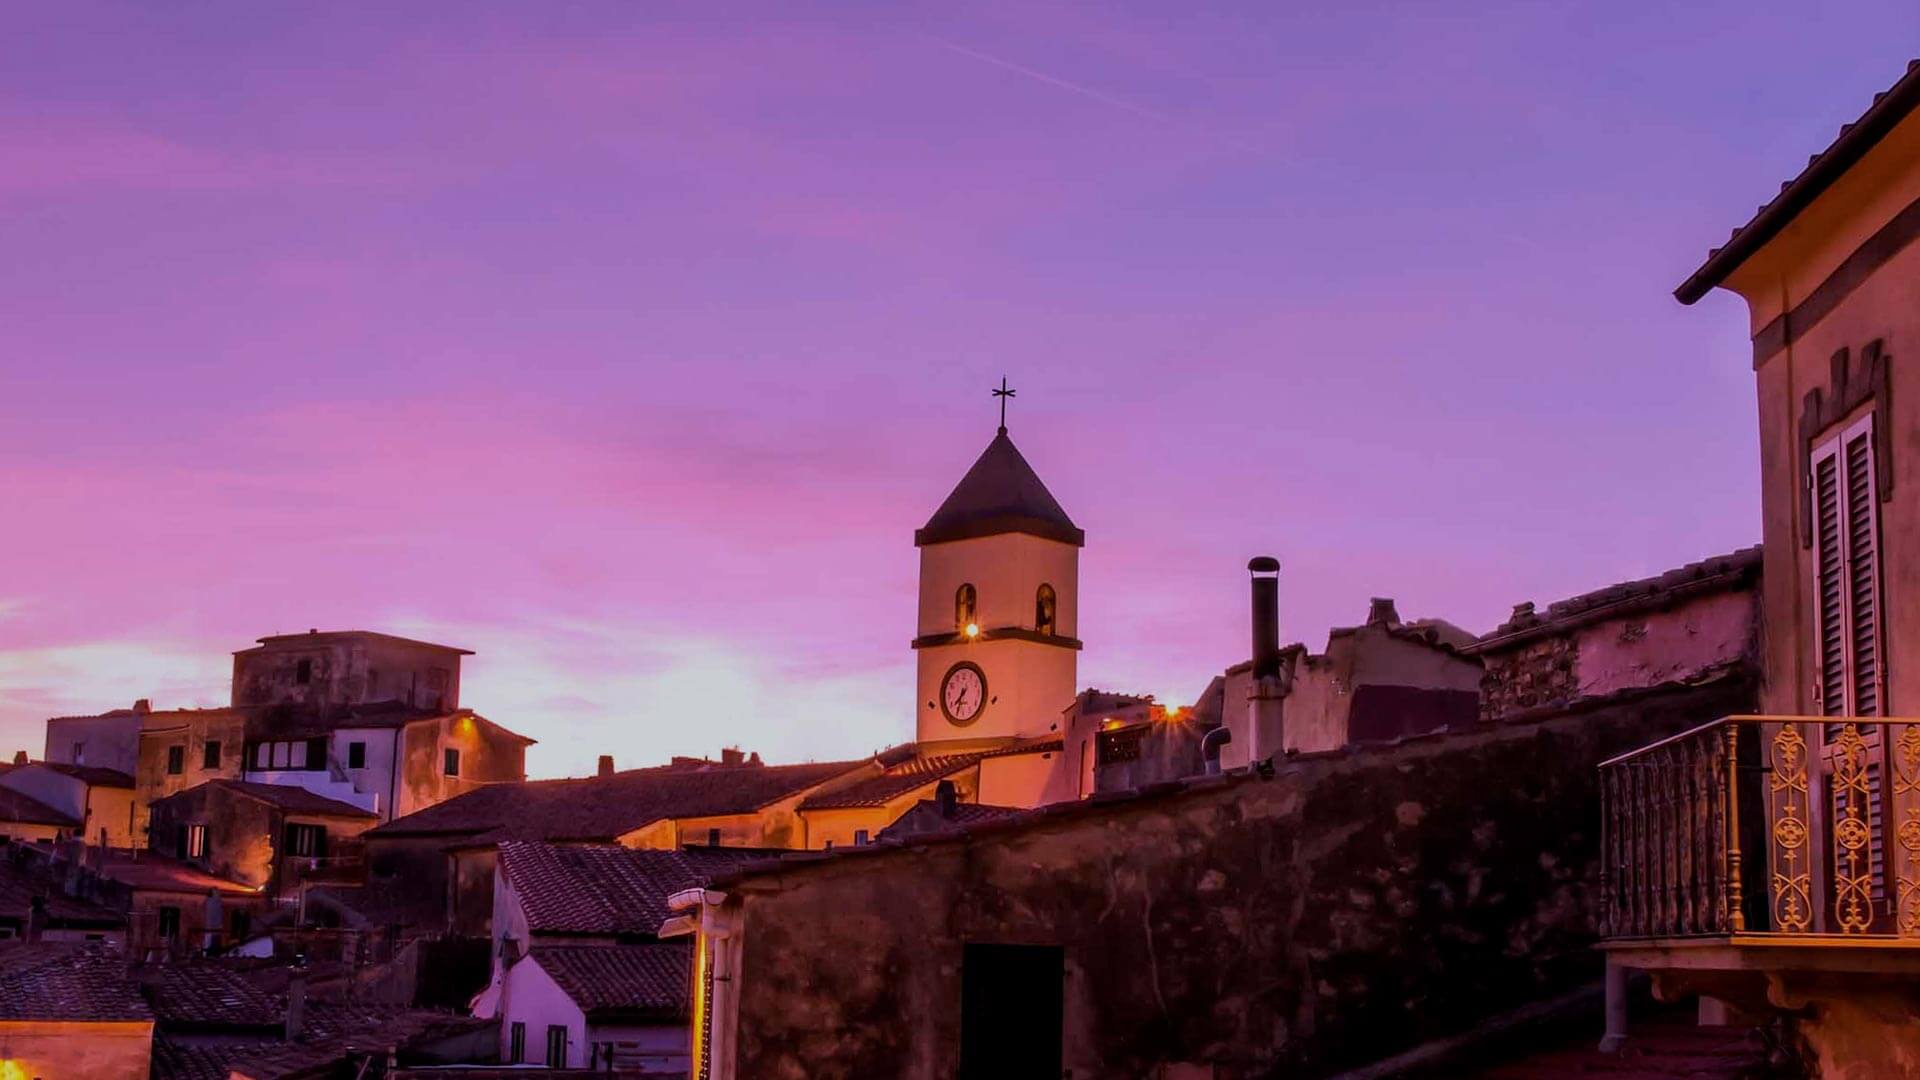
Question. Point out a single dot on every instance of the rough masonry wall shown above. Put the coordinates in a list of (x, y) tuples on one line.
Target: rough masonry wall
[(1354, 905)]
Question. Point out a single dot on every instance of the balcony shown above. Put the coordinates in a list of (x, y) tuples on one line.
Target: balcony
[(1756, 854)]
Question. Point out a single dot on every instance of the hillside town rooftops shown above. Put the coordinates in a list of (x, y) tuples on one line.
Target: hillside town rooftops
[(604, 808), (622, 982), (148, 871), (25, 879)]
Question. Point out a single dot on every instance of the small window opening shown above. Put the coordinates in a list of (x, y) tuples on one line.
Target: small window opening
[(1044, 605), (965, 607), (452, 762), (176, 760), (303, 672)]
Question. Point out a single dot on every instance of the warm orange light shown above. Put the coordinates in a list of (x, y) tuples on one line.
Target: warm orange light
[(973, 630), (12, 1070), (1173, 712), (1109, 724)]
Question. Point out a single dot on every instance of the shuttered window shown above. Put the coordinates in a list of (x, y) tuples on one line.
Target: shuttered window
[(1846, 573)]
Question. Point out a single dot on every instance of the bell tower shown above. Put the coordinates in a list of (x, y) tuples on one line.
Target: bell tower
[(999, 605)]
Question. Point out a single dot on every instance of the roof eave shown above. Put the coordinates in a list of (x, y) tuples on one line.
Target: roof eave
[(1855, 140)]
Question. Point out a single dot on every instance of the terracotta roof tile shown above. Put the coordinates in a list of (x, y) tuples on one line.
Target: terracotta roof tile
[(606, 808), (60, 981), (210, 995), (605, 889), (24, 875), (622, 981)]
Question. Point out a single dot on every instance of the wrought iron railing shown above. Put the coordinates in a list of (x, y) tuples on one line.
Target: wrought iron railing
[(1765, 825)]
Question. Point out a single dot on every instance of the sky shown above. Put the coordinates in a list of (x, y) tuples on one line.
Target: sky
[(626, 343)]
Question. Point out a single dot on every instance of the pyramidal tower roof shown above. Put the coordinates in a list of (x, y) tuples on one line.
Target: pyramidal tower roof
[(1000, 494)]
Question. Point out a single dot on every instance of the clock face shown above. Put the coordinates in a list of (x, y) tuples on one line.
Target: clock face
[(963, 693)]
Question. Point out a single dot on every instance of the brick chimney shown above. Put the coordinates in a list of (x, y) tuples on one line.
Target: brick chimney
[(606, 765), (1381, 612), (143, 706), (946, 798), (19, 757)]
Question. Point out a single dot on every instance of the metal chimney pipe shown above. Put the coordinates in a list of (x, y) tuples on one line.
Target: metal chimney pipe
[(1266, 615)]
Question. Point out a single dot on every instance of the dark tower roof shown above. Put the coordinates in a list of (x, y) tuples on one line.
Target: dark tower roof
[(1000, 494)]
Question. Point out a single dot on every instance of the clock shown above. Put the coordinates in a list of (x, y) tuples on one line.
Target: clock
[(963, 692)]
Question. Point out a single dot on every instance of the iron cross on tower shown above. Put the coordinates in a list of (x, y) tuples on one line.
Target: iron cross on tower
[(1003, 394)]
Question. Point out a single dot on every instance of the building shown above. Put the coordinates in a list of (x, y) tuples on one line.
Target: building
[(71, 1010), (267, 836), (26, 820), (97, 799), (1780, 872), (364, 718)]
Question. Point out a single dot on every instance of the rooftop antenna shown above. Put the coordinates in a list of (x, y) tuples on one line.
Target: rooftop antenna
[(1003, 393)]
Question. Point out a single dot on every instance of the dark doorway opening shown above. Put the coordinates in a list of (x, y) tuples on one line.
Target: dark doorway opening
[(1011, 1005)]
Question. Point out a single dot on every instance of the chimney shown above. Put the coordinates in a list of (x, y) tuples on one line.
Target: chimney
[(1266, 616), (1266, 734), (36, 917), (946, 798), (296, 1003), (732, 755), (19, 757), (143, 706), (606, 765), (1381, 612)]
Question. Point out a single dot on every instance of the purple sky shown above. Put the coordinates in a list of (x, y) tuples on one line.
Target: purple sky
[(626, 343)]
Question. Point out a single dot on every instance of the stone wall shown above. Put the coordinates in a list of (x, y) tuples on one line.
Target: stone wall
[(1351, 905)]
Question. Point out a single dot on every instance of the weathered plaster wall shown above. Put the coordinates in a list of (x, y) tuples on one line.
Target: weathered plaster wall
[(347, 670), (191, 730), (487, 755), (110, 741), (1356, 904), (1637, 649), (97, 1051)]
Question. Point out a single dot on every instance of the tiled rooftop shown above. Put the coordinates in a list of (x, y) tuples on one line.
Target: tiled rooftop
[(209, 994), (60, 981), (606, 808), (146, 870), (96, 775), (622, 981), (25, 875), (605, 889)]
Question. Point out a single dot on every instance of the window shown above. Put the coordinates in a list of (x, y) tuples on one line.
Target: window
[(79, 753), (196, 841), (280, 753), (356, 755), (859, 837), (303, 672), (176, 760), (169, 926), (1043, 610), (1012, 1008), (517, 1043), (713, 837), (965, 607), (452, 767), (261, 755), (210, 754), (307, 841), (1846, 579), (316, 754), (556, 1046)]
